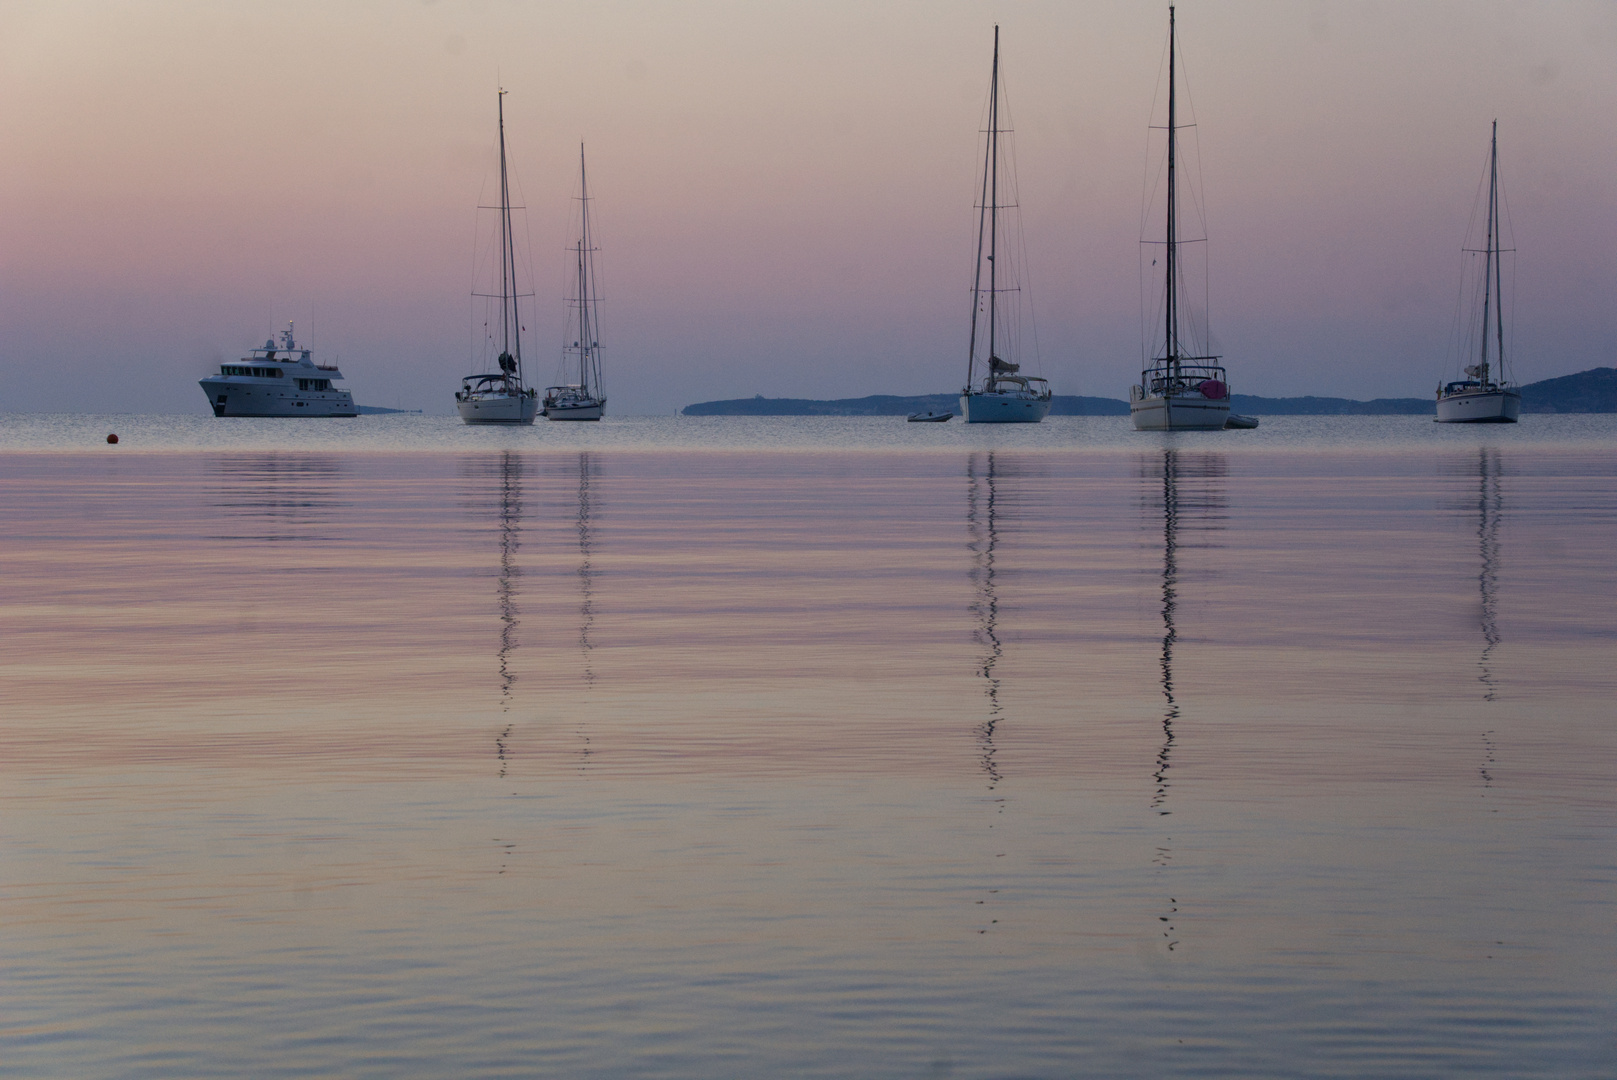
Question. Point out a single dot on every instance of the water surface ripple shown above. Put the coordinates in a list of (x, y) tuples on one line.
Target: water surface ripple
[(822, 751)]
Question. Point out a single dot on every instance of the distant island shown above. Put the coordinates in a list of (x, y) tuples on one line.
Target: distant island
[(1592, 391), (376, 410)]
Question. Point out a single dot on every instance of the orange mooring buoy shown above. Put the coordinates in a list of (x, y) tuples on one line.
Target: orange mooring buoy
[(112, 438)]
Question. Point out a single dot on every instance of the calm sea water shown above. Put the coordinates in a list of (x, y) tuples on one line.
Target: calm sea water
[(736, 748)]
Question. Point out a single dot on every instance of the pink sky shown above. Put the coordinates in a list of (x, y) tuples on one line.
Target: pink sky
[(784, 193)]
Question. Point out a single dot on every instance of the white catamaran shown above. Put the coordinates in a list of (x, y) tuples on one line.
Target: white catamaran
[(582, 400), (1479, 398), (1179, 392), (501, 397), (1004, 395)]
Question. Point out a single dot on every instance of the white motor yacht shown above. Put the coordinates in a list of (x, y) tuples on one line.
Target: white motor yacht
[(278, 380)]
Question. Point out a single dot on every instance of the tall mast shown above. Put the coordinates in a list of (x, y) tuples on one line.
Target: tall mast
[(1171, 334), (508, 261), (586, 342), (1498, 285), (1488, 252), (993, 199)]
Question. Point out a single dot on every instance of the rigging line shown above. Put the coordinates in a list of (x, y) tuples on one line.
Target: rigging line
[(1505, 226), (982, 203), (1023, 265), (1156, 96)]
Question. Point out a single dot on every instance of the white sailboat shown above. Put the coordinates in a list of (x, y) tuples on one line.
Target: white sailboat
[(501, 397), (1480, 398), (1004, 395), (582, 400), (1179, 392)]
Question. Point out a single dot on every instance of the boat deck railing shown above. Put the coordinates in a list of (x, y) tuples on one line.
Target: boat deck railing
[(1179, 380)]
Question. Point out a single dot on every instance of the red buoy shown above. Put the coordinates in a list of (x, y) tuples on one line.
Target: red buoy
[(112, 438)]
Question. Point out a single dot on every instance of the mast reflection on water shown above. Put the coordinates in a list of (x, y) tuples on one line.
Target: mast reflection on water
[(1188, 489), (1490, 508), (585, 528), (983, 541), (498, 483)]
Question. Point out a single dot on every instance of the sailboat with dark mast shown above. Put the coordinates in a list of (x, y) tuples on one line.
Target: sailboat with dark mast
[(501, 397), (1480, 398), (1005, 395), (1177, 392), (582, 400)]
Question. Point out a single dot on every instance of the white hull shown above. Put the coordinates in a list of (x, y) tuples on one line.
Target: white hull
[(1158, 413), (267, 399), (1003, 408), (514, 409), (582, 410), (1480, 407)]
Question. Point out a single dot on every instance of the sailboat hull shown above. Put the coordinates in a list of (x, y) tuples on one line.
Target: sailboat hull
[(1159, 413), (1480, 407), (1003, 408), (515, 409), (575, 410)]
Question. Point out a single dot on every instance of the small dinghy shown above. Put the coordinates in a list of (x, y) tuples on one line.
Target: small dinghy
[(929, 417), (1236, 420)]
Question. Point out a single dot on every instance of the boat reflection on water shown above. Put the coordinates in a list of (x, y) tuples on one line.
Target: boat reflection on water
[(1490, 508), (1188, 490), (983, 510), (279, 497), (993, 498), (991, 502), (497, 481), (588, 469)]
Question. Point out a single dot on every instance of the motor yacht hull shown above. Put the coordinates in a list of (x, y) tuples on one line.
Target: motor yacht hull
[(1003, 408), (1158, 413), (266, 399), (1480, 407), (512, 409)]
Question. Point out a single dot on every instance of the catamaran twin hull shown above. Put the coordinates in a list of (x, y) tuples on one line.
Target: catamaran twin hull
[(1159, 413), (514, 409), (1003, 408), (1479, 407)]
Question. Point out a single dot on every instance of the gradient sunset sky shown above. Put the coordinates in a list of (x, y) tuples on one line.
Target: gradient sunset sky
[(783, 191)]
